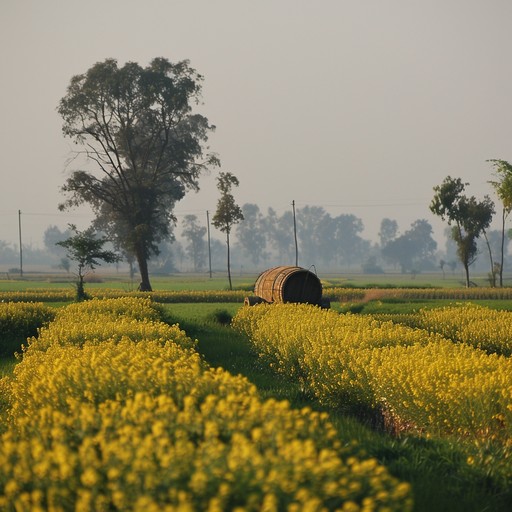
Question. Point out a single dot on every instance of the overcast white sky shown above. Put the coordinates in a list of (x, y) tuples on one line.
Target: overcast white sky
[(358, 106)]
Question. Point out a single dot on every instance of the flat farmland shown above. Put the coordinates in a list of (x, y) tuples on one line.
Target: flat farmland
[(410, 384)]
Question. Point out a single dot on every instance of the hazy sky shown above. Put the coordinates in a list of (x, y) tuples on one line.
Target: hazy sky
[(358, 106)]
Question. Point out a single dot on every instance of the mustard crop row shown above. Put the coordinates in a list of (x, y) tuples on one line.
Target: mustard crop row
[(481, 327), (18, 321), (98, 419), (164, 296), (418, 379), (475, 325), (340, 294), (337, 294)]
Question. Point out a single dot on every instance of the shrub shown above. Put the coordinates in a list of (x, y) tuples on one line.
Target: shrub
[(220, 316)]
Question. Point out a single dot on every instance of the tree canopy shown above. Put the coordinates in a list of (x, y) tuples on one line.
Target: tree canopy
[(503, 187), (468, 217), (144, 146), (228, 213), (413, 248), (86, 249)]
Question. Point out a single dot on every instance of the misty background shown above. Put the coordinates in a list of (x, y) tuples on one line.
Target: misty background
[(352, 108)]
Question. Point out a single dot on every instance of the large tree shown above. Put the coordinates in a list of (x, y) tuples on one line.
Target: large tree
[(143, 148), (228, 213), (468, 217)]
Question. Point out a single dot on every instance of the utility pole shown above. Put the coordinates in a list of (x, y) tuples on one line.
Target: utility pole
[(295, 235), (209, 246), (21, 250)]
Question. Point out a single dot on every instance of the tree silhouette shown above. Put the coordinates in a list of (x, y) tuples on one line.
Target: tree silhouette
[(468, 217), (228, 213), (136, 129), (86, 249)]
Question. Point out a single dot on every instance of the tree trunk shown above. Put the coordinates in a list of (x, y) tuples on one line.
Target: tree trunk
[(492, 275), (145, 285), (503, 217), (229, 262), (466, 269)]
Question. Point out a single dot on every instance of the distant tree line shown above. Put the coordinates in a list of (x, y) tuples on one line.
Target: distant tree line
[(265, 239), (330, 243)]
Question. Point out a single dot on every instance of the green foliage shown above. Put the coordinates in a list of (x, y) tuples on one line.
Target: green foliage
[(469, 217), (220, 316), (87, 251), (503, 184), (228, 213), (413, 248), (503, 188)]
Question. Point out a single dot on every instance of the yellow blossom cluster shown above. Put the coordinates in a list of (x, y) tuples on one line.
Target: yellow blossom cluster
[(144, 424), (16, 315), (19, 320), (108, 319), (479, 326), (419, 379)]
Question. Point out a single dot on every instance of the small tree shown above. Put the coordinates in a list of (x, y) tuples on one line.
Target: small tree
[(503, 188), (442, 263), (468, 217), (228, 213), (87, 251)]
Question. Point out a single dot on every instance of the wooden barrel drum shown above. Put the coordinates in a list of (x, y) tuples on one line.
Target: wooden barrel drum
[(289, 284)]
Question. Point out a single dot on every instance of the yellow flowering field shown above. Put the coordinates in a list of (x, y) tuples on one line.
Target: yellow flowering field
[(418, 380), (19, 320), (481, 327), (455, 294), (96, 419), (163, 296), (333, 293), (38, 295)]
